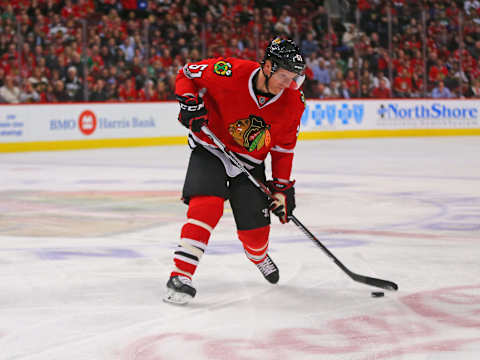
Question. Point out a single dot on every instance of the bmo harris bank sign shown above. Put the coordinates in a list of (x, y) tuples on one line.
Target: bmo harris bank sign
[(105, 121), (88, 123)]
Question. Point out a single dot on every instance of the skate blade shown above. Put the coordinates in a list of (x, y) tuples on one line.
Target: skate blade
[(177, 298)]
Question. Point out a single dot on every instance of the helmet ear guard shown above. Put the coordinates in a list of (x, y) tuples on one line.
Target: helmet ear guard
[(297, 82)]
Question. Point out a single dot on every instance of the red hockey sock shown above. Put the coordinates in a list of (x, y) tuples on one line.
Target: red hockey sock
[(255, 243), (203, 215)]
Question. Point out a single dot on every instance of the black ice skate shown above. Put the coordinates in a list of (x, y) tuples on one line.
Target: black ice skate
[(179, 290), (269, 270)]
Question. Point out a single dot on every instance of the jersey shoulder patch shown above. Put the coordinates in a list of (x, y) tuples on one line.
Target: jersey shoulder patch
[(222, 68)]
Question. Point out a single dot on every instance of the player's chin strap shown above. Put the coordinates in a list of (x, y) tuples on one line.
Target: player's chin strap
[(267, 78), (384, 284)]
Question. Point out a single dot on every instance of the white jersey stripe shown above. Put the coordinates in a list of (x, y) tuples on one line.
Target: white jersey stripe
[(230, 168), (249, 158), (252, 92), (282, 150)]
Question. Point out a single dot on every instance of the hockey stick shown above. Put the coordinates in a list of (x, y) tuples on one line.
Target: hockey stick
[(384, 284)]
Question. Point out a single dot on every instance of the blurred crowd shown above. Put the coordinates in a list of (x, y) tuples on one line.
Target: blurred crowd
[(131, 50)]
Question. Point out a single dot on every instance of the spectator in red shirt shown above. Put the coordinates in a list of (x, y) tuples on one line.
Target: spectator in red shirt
[(416, 60), (400, 62), (382, 91), (95, 61), (163, 92), (129, 4), (147, 93), (351, 81), (128, 92), (364, 5), (402, 84), (166, 58), (417, 83), (438, 71), (67, 10), (42, 91)]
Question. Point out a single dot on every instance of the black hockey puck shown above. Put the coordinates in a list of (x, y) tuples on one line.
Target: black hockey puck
[(378, 294)]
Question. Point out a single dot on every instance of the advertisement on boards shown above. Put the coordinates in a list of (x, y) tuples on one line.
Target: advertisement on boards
[(88, 121), (110, 121), (12, 126), (334, 115), (136, 124), (344, 115), (428, 115)]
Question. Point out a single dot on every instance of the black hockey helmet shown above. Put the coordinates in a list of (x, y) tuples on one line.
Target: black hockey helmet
[(284, 53)]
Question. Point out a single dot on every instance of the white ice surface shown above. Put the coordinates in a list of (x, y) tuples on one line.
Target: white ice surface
[(86, 243)]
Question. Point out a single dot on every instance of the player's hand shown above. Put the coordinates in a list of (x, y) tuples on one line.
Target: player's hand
[(193, 114), (284, 199)]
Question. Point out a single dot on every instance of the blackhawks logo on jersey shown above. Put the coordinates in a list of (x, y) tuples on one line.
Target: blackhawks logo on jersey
[(222, 68), (252, 133)]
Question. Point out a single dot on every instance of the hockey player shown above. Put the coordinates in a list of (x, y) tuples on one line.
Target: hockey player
[(255, 111)]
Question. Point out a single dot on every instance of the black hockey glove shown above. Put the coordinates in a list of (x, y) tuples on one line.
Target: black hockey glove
[(284, 203), (193, 114)]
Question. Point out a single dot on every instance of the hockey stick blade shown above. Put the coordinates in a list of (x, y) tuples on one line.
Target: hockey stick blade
[(367, 280), (384, 284), (380, 283)]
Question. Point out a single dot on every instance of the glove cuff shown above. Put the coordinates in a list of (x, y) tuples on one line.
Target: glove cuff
[(192, 107), (276, 185), (190, 102)]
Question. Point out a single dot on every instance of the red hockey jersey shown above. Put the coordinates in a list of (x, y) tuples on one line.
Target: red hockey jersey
[(248, 125)]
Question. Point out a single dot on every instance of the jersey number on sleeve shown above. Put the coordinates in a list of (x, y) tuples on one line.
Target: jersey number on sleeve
[(195, 70)]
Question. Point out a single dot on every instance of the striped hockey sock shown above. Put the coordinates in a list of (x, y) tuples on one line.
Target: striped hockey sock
[(203, 215), (255, 243)]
